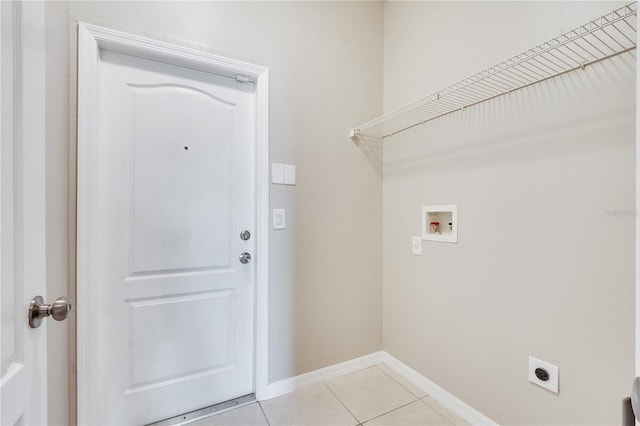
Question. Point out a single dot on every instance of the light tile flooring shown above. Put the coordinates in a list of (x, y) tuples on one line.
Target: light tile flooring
[(373, 396)]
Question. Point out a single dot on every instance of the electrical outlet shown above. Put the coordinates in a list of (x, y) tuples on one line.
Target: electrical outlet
[(543, 374)]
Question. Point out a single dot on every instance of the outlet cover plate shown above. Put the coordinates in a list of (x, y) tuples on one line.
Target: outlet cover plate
[(552, 383)]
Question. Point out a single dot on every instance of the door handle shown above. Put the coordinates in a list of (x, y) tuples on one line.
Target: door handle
[(58, 310), (245, 258), (635, 398)]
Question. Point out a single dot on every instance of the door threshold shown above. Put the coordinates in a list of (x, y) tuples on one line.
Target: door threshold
[(206, 411)]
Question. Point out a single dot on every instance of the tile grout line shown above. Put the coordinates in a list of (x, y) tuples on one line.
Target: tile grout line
[(403, 386), (343, 404), (387, 412), (416, 398), (421, 398), (264, 413), (453, 422), (391, 411)]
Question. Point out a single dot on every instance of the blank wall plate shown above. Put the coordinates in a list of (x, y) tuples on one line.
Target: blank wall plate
[(552, 383), (416, 245)]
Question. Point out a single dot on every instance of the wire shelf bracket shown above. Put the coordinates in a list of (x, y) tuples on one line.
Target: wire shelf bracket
[(610, 35)]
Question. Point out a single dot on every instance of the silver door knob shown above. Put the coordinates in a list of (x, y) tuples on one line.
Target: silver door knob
[(58, 310), (635, 398), (245, 258)]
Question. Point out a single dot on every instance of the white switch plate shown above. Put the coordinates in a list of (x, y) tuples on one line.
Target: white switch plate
[(279, 219), (416, 245), (277, 173), (552, 383), (289, 174)]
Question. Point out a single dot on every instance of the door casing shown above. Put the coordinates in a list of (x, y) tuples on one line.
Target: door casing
[(91, 40)]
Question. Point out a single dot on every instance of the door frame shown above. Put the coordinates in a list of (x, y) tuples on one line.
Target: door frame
[(92, 39), (637, 217)]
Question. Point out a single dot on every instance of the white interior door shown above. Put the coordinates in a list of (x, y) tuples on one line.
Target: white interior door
[(174, 188), (23, 372)]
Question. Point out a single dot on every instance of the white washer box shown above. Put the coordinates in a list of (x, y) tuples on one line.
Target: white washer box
[(440, 223)]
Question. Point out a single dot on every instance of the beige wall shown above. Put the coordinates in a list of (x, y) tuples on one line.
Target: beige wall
[(325, 60), (540, 268)]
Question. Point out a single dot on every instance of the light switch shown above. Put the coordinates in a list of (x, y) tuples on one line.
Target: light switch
[(279, 219), (416, 246), (277, 173), (289, 174), (283, 174)]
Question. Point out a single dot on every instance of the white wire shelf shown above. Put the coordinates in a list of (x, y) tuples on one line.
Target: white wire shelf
[(610, 35)]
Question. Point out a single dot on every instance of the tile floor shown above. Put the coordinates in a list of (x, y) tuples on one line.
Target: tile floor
[(373, 396)]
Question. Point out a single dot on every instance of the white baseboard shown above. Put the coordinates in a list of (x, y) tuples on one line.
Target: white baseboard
[(454, 404), (282, 387)]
